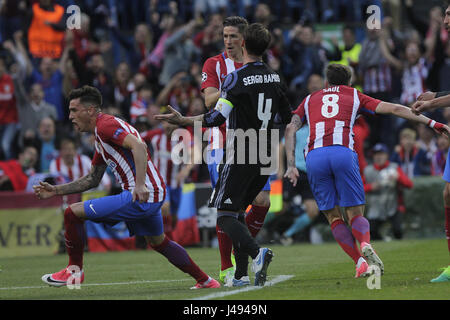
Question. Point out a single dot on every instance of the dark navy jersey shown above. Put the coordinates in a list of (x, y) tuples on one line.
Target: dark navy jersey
[(251, 98)]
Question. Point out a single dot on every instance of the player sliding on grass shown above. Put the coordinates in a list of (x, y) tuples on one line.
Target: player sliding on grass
[(332, 164), (250, 99), (119, 146), (427, 102)]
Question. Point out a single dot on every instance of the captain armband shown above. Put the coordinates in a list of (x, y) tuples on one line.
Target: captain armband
[(219, 115)]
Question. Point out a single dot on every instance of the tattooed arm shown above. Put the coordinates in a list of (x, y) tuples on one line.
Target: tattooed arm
[(291, 129), (45, 190)]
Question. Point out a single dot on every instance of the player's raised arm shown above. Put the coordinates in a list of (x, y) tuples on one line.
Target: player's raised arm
[(214, 118), (405, 113), (45, 190), (291, 129)]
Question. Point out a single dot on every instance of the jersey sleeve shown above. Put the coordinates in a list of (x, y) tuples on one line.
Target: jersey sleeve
[(300, 111), (209, 75), (111, 131), (367, 104), (97, 160)]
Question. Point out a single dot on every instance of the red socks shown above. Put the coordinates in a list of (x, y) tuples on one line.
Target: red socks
[(225, 247), (345, 239), (178, 256), (360, 229), (255, 219), (74, 236)]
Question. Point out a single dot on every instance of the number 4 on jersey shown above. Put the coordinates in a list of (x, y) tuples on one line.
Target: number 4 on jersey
[(264, 112)]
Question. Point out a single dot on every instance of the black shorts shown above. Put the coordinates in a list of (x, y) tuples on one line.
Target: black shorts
[(302, 188), (237, 186)]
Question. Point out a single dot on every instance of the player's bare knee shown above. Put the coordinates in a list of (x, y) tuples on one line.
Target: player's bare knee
[(332, 215), (262, 199), (155, 240), (78, 210), (352, 212)]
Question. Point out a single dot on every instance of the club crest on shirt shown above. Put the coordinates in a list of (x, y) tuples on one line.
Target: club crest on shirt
[(117, 133)]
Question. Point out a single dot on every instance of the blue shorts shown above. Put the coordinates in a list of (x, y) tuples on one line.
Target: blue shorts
[(446, 175), (173, 196), (214, 158), (142, 219), (334, 177)]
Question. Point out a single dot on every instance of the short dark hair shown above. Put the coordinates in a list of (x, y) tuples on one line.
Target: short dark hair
[(257, 39), (236, 21), (338, 74), (88, 96)]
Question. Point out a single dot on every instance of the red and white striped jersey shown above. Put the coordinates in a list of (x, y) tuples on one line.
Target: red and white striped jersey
[(109, 135), (377, 79), (161, 146), (138, 108), (331, 115), (81, 167), (214, 71), (413, 82)]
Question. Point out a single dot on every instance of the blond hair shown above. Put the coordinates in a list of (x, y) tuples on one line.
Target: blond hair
[(408, 133)]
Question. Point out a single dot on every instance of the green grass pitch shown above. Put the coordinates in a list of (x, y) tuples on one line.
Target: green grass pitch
[(318, 272)]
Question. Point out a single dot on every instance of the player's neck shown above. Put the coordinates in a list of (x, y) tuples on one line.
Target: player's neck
[(250, 59), (237, 57), (93, 122)]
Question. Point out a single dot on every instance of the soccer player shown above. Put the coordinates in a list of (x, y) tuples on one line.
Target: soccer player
[(331, 162), (426, 102), (119, 146), (250, 99), (214, 72)]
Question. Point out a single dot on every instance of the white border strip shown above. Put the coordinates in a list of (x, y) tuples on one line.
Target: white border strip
[(100, 284), (277, 279)]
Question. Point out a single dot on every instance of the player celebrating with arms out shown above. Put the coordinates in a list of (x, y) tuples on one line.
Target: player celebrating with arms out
[(119, 146), (331, 162), (250, 106), (214, 72), (427, 102)]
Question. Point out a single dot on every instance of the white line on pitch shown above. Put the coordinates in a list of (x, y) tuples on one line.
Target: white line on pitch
[(277, 279), (101, 284)]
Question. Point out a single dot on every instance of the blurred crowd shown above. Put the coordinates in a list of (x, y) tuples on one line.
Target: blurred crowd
[(144, 54)]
